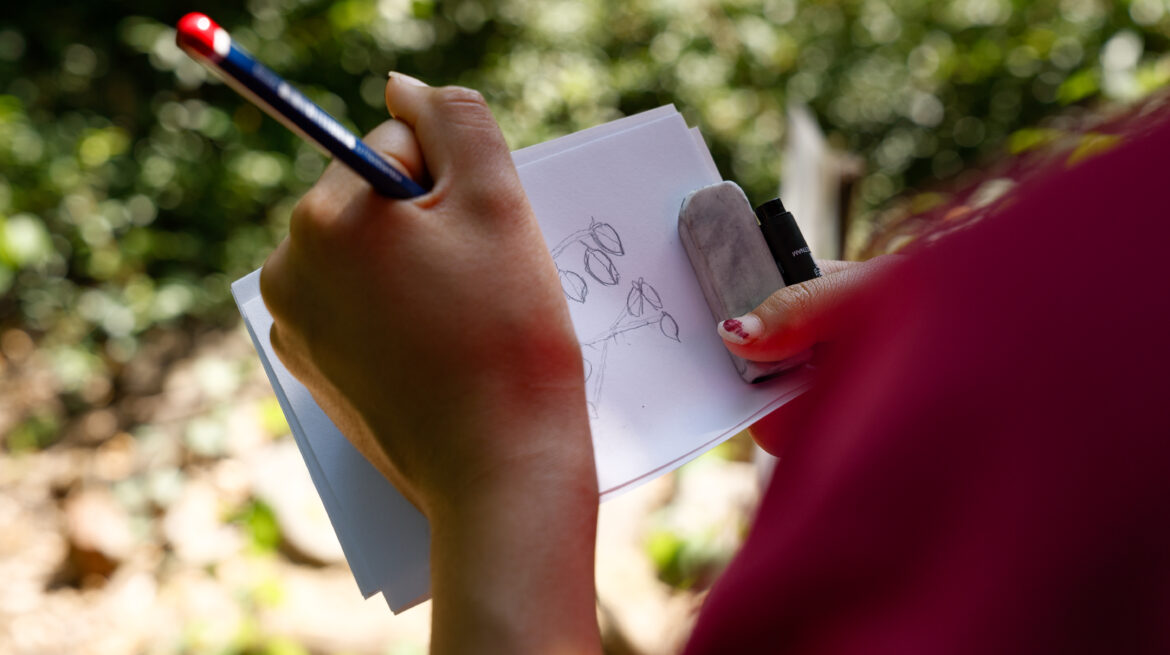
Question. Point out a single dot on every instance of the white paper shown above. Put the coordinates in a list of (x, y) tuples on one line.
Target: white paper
[(525, 156), (661, 389), (384, 538), (659, 400)]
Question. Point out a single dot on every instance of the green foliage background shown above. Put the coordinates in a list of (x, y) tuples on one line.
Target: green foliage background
[(133, 188)]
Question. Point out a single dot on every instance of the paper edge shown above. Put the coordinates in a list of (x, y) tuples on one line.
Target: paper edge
[(245, 291), (800, 381), (538, 151)]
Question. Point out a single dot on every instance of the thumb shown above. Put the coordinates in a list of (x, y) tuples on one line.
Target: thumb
[(459, 137), (800, 316)]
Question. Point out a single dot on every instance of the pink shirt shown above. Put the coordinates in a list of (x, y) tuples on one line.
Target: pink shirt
[(984, 465)]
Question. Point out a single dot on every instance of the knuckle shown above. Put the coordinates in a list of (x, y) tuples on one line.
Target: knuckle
[(460, 98), (463, 107), (802, 296), (313, 216), (792, 310), (276, 338), (390, 136), (305, 216), (501, 204), (271, 287), (881, 264), (281, 302), (290, 357), (789, 302)]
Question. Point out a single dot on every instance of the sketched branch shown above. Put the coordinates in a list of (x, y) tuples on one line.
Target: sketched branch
[(628, 327), (595, 377), (633, 316), (601, 242), (573, 238)]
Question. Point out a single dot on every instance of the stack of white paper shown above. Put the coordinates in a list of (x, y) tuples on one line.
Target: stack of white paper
[(661, 387)]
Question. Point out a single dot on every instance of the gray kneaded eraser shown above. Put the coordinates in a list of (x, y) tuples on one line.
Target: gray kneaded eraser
[(732, 262)]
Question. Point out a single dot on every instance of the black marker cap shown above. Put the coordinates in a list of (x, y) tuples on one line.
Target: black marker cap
[(787, 244)]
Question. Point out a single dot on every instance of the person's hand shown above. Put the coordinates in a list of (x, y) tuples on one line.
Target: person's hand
[(812, 314), (433, 331), (426, 327)]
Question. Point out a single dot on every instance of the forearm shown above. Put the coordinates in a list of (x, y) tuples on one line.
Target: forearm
[(512, 568)]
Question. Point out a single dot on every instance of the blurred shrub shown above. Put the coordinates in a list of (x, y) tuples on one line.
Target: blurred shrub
[(133, 188)]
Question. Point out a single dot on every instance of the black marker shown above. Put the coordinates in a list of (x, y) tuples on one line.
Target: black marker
[(789, 249)]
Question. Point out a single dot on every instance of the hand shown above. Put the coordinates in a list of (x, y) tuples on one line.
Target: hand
[(433, 331), (812, 314), (428, 328)]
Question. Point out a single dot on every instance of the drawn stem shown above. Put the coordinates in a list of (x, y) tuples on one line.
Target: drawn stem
[(616, 330), (598, 377), (568, 241), (621, 317)]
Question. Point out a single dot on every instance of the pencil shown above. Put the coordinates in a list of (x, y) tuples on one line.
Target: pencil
[(206, 42)]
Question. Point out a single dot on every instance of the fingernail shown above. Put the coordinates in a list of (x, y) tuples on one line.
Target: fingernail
[(742, 330), (406, 79)]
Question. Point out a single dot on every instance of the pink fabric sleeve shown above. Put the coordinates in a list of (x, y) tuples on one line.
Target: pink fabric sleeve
[(985, 464)]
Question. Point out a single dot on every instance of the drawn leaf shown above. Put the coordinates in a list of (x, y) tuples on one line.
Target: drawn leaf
[(669, 326), (601, 267), (588, 368), (635, 301), (651, 296), (573, 285), (607, 238)]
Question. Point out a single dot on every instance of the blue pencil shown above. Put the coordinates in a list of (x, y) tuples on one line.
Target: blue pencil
[(205, 41)]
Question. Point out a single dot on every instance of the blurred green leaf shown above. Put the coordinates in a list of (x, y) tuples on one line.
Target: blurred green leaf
[(272, 417), (34, 433), (283, 646), (665, 550), (1077, 87), (134, 186), (259, 522)]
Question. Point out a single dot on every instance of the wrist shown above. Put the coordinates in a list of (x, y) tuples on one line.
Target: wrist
[(510, 446), (512, 565)]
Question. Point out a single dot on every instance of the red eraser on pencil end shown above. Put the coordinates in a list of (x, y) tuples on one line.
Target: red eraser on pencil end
[(199, 35)]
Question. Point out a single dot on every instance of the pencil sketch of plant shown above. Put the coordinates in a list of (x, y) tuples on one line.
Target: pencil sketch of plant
[(573, 285), (643, 309), (602, 243)]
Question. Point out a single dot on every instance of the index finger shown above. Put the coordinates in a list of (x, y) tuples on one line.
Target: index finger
[(395, 141)]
